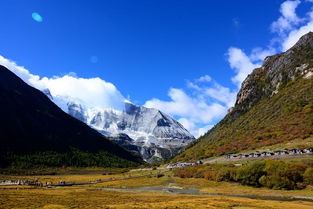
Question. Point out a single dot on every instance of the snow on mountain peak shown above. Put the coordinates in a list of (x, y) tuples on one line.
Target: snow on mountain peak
[(153, 134)]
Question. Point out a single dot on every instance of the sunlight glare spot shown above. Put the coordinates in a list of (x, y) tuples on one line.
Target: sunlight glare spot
[(37, 17)]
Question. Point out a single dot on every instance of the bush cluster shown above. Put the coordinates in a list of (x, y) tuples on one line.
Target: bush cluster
[(271, 174)]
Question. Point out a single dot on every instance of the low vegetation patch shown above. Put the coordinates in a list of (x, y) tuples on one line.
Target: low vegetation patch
[(271, 174)]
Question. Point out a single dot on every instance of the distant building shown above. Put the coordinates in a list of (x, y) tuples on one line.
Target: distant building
[(271, 153)]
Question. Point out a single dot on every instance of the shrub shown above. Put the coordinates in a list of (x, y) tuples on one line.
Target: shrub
[(271, 174), (282, 175), (226, 174), (250, 174), (211, 175), (275, 182), (308, 176), (159, 175)]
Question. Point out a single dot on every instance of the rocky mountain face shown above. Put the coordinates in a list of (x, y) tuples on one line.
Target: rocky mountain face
[(36, 132), (273, 106), (146, 131), (275, 73)]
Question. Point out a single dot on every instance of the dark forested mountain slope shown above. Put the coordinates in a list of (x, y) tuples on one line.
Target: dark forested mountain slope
[(35, 132), (274, 105)]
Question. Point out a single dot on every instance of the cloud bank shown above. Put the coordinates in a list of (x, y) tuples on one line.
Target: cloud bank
[(195, 111), (95, 92), (207, 101)]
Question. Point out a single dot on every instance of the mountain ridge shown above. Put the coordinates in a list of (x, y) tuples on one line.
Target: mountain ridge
[(274, 105), (154, 135), (274, 72), (31, 124)]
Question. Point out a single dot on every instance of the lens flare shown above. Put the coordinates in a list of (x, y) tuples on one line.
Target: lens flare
[(37, 17)]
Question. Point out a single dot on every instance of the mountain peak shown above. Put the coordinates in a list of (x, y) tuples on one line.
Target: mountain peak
[(273, 106), (305, 40), (153, 133), (275, 73)]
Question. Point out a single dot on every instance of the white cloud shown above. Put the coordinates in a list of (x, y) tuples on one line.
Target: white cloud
[(93, 91), (289, 17), (244, 64), (182, 105), (292, 26), (20, 71), (203, 130), (205, 78), (289, 28), (193, 113), (241, 63), (258, 54), (221, 94), (295, 34), (96, 92), (193, 85), (193, 129), (198, 110)]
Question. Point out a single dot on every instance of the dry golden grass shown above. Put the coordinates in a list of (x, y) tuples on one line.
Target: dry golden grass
[(68, 178), (84, 197), (206, 186), (88, 177), (136, 182), (92, 196)]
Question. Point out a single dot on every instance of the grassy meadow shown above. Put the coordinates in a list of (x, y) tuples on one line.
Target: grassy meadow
[(78, 197), (127, 193)]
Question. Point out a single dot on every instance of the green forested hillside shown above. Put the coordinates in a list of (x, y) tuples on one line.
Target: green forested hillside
[(275, 105), (284, 117)]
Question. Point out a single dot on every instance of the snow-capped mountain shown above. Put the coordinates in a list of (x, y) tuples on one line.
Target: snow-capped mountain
[(147, 131)]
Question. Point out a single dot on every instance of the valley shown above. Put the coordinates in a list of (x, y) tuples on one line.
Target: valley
[(151, 191), (258, 156), (172, 127)]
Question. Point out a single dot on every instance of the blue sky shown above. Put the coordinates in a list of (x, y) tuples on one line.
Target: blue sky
[(156, 53)]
